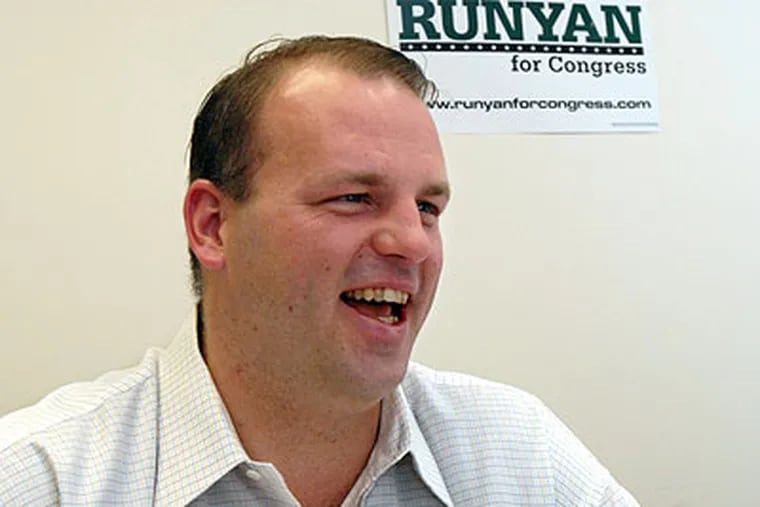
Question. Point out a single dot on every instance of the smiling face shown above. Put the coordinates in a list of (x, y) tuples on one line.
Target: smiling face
[(331, 265)]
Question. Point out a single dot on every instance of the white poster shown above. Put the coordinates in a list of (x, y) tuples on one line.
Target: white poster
[(505, 66)]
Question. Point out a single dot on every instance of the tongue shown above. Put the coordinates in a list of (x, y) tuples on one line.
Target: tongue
[(373, 310)]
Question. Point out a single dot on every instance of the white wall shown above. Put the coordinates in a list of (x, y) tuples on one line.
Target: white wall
[(615, 276)]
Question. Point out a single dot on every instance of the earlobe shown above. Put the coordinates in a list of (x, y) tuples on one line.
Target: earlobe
[(203, 215)]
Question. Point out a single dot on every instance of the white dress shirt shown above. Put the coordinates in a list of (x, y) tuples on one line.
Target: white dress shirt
[(159, 434)]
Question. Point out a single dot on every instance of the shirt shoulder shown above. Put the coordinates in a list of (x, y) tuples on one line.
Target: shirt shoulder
[(494, 439), (82, 433), (452, 397)]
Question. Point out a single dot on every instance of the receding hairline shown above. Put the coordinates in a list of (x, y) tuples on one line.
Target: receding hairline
[(287, 83), (290, 69)]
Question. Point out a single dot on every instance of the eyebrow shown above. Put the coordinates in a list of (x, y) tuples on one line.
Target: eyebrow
[(375, 179), (436, 189)]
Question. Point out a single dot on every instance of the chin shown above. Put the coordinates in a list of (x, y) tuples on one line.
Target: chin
[(377, 382)]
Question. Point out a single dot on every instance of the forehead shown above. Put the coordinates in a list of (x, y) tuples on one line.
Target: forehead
[(321, 94), (322, 113)]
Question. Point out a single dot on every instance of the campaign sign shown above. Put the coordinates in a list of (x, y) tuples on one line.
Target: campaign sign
[(530, 67)]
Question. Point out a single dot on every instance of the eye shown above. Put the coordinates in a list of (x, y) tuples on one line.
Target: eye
[(428, 208), (354, 198), (350, 203)]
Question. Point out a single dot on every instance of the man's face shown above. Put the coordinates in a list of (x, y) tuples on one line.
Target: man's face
[(332, 263)]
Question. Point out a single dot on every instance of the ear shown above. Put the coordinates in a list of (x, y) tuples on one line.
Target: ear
[(203, 220)]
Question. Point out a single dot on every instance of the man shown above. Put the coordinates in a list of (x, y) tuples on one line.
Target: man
[(316, 185)]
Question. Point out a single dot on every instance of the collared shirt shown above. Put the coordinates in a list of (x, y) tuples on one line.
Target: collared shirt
[(159, 434)]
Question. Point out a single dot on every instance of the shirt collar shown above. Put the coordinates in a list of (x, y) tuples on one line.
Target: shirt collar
[(197, 443), (400, 435), (424, 462)]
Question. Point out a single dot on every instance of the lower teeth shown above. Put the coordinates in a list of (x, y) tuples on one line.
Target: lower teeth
[(392, 319)]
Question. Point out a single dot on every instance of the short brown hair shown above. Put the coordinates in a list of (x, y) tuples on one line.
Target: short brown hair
[(223, 143)]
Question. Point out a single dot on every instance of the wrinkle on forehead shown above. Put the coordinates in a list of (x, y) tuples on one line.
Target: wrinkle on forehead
[(375, 179)]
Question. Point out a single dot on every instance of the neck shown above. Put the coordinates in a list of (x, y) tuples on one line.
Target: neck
[(319, 445)]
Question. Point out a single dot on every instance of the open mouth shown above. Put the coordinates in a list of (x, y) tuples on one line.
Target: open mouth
[(386, 305)]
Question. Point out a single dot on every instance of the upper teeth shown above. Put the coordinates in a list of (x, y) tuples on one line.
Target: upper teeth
[(380, 295)]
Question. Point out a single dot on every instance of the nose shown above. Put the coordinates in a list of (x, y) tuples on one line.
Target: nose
[(402, 234)]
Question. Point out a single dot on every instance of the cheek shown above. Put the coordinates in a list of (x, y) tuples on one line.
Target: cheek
[(283, 242), (267, 254), (433, 274), (435, 261), (308, 256), (303, 249)]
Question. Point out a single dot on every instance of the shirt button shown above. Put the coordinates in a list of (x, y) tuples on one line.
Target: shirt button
[(253, 474)]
